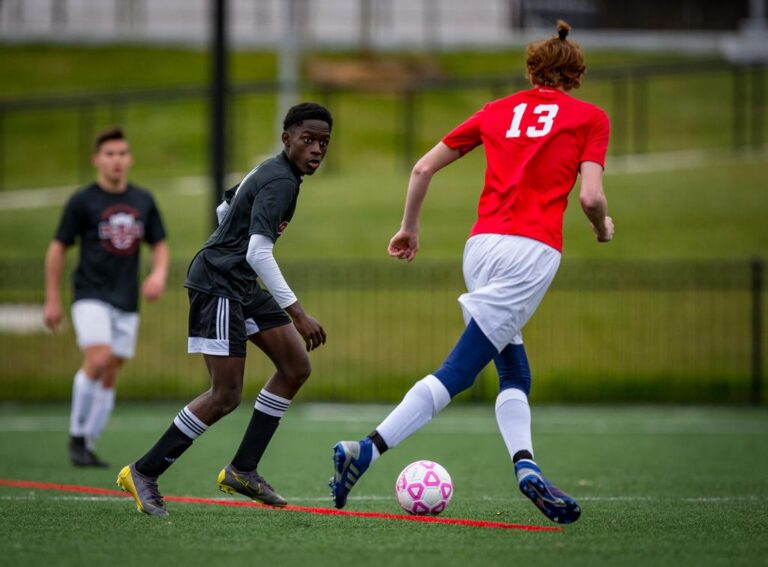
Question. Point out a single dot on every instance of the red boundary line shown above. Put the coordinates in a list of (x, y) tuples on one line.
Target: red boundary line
[(318, 511)]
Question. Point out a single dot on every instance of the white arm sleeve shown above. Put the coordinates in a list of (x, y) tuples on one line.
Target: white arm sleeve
[(260, 258)]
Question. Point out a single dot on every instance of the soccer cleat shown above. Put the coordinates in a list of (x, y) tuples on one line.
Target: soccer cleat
[(250, 484), (81, 456), (143, 489), (553, 502), (350, 460)]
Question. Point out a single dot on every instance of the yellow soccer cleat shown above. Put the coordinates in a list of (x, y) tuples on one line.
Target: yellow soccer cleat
[(250, 484), (143, 489)]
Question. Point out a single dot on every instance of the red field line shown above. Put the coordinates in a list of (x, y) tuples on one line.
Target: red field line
[(319, 511)]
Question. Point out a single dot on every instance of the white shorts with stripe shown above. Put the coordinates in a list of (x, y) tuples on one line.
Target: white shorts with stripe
[(99, 323), (506, 278)]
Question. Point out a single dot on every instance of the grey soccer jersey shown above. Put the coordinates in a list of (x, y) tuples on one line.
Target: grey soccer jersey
[(263, 203)]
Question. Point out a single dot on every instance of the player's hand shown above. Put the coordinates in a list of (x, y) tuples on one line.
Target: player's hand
[(311, 331), (153, 287), (52, 315), (607, 234), (404, 245)]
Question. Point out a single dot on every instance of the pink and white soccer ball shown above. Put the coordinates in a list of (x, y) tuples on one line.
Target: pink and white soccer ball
[(424, 487)]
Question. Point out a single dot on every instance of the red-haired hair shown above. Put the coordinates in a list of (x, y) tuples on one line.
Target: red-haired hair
[(555, 62)]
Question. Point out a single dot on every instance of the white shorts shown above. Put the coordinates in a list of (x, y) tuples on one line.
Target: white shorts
[(506, 278), (98, 323)]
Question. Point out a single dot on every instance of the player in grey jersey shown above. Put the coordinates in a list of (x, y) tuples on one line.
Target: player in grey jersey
[(228, 308)]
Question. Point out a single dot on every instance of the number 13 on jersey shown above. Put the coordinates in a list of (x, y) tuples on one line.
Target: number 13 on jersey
[(546, 114)]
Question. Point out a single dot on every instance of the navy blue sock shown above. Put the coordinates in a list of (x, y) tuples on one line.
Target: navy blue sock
[(514, 371), (470, 355)]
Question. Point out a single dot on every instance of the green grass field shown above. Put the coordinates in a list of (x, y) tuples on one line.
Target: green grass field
[(658, 486)]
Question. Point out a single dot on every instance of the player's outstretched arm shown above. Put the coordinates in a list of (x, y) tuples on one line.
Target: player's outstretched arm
[(405, 243), (55, 259), (154, 285), (593, 201)]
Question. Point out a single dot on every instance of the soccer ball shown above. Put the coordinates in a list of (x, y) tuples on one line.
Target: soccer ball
[(424, 487)]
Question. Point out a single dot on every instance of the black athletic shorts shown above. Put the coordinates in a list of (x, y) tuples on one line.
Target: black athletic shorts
[(221, 326), (261, 312)]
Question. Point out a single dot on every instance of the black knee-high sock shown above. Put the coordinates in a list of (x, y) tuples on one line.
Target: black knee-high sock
[(255, 440), (167, 449), (177, 439)]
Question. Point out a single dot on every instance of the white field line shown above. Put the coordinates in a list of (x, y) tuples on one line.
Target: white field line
[(297, 500), (34, 198), (465, 426)]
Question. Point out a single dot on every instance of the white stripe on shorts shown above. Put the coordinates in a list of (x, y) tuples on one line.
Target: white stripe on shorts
[(222, 319)]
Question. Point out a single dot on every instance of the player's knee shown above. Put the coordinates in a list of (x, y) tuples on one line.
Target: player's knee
[(226, 400), (301, 372)]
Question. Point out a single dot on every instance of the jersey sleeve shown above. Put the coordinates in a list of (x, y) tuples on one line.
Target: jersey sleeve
[(154, 231), (270, 207), (71, 223), (466, 136), (596, 145)]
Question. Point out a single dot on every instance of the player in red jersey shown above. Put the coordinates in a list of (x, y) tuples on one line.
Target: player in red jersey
[(536, 143)]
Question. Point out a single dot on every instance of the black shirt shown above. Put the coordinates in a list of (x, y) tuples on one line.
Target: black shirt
[(263, 203), (110, 227)]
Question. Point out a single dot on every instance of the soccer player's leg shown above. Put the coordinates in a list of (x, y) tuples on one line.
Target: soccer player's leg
[(270, 329), (91, 320), (421, 403), (513, 416), (220, 336)]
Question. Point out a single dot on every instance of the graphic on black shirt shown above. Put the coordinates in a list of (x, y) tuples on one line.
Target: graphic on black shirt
[(121, 230)]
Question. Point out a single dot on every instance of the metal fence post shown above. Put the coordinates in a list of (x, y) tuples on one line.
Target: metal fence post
[(758, 91), (640, 114), (2, 150), (409, 130), (739, 100), (619, 114), (757, 330)]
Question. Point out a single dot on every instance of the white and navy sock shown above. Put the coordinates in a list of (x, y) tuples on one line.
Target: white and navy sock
[(420, 404), (513, 416)]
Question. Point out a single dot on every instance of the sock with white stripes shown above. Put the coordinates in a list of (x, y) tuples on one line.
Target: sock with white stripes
[(186, 427), (101, 410), (266, 416), (83, 388)]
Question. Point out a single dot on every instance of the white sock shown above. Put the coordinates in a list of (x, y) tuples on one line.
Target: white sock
[(189, 424), (83, 388), (513, 415), (101, 410), (421, 403)]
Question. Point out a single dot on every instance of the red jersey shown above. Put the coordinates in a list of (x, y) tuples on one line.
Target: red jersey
[(534, 142)]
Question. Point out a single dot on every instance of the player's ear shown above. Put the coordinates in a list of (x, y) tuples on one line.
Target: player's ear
[(285, 137)]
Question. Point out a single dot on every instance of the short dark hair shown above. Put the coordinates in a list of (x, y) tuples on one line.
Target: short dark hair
[(113, 133), (307, 111)]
